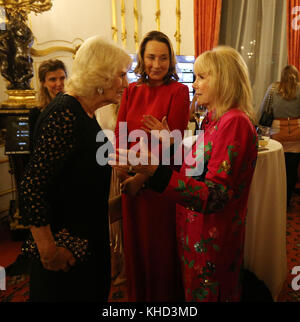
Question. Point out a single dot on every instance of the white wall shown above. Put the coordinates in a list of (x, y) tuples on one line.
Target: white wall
[(69, 22), (70, 19)]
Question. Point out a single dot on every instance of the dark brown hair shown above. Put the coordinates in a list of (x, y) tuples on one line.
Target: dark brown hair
[(140, 67), (45, 67)]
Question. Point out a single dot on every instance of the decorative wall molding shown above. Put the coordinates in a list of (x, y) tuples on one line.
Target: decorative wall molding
[(136, 25), (177, 34), (157, 15), (114, 21)]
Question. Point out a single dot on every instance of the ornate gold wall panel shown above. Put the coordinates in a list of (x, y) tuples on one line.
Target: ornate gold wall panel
[(136, 25), (157, 15), (114, 21), (177, 34), (118, 11), (124, 32)]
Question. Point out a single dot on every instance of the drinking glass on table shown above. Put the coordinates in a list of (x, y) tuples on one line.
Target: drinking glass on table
[(264, 133), (199, 113)]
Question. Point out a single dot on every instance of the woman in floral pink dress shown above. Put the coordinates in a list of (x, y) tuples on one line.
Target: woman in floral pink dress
[(212, 204)]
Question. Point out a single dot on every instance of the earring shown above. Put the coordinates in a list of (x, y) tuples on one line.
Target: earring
[(100, 91)]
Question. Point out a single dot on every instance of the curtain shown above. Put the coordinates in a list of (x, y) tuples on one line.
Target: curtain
[(257, 29), (207, 15), (293, 32)]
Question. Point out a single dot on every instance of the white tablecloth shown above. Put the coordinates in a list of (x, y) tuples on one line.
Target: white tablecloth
[(265, 243)]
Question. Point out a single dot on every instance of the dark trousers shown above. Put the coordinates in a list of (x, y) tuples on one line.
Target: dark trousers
[(292, 161)]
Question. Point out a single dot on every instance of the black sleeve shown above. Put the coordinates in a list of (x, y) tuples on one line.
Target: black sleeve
[(161, 178), (55, 143)]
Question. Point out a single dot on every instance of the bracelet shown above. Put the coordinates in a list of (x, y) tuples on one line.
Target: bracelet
[(47, 261)]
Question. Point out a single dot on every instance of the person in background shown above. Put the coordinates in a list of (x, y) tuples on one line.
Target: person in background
[(52, 76), (65, 190), (211, 204), (286, 123), (152, 265)]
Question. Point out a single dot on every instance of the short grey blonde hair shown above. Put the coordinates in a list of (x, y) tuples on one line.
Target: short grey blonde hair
[(230, 79), (96, 63)]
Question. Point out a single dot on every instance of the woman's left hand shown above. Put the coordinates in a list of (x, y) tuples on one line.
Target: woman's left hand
[(159, 129), (152, 123)]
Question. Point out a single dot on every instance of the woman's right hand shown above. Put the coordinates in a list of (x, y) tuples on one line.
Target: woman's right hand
[(58, 259)]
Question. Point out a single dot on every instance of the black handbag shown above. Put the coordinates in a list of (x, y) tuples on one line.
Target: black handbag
[(77, 246), (267, 116)]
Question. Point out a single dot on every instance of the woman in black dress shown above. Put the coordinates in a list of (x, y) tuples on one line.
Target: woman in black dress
[(64, 188)]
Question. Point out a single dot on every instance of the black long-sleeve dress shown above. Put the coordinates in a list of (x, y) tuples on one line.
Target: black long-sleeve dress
[(65, 187)]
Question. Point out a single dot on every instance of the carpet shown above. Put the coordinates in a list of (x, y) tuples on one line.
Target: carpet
[(292, 248), (17, 284), (254, 289)]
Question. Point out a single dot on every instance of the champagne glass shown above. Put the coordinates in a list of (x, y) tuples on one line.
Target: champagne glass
[(199, 113)]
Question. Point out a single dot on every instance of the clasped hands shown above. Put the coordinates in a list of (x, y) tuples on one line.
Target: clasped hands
[(140, 161)]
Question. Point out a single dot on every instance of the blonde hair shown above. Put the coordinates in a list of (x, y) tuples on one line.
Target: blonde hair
[(96, 63), (229, 78), (288, 82), (140, 67)]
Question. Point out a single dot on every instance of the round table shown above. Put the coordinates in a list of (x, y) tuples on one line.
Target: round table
[(265, 240)]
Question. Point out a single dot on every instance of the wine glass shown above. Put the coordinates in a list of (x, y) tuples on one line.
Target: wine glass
[(199, 113), (264, 133)]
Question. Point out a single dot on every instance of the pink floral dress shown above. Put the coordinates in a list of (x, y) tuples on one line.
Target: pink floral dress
[(211, 208)]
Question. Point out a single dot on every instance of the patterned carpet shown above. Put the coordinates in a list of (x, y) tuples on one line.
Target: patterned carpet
[(293, 249), (18, 284)]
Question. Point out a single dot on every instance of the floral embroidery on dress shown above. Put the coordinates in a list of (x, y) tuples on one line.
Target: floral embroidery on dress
[(192, 194), (207, 151), (218, 196), (227, 165), (203, 274)]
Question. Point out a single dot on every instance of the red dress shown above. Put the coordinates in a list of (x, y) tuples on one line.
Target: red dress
[(149, 221), (211, 208)]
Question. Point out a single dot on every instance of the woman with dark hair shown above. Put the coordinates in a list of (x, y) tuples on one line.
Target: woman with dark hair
[(152, 265), (286, 124), (52, 75)]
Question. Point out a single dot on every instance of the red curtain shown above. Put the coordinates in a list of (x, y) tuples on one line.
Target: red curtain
[(293, 32), (207, 16)]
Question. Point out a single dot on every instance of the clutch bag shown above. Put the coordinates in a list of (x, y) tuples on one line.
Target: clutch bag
[(77, 246)]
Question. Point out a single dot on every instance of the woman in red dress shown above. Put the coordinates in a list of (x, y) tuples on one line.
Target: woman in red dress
[(212, 204), (152, 264)]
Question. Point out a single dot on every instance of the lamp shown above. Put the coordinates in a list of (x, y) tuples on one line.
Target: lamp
[(16, 38)]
